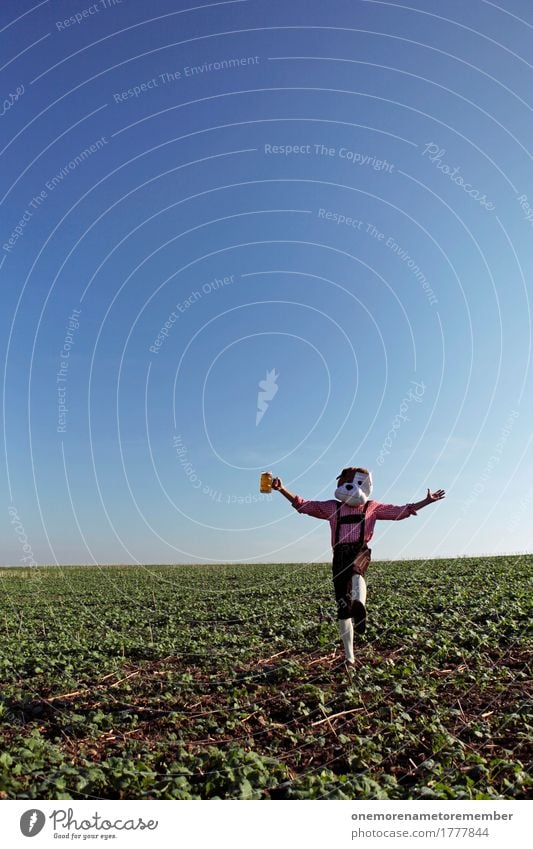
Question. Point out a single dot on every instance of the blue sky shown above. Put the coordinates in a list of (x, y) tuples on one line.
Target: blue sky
[(194, 195)]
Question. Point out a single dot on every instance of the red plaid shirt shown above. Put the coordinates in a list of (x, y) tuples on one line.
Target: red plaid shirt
[(351, 533)]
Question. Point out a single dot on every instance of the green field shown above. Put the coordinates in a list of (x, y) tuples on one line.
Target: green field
[(195, 682)]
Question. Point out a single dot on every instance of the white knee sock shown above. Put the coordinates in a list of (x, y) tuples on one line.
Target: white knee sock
[(358, 589), (346, 633)]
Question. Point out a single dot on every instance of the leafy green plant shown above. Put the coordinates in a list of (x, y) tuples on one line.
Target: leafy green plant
[(128, 682)]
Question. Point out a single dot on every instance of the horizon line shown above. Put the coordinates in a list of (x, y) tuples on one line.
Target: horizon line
[(264, 563)]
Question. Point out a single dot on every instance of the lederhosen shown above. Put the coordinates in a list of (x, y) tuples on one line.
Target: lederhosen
[(349, 558)]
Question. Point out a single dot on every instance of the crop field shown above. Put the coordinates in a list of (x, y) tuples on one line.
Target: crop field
[(204, 682)]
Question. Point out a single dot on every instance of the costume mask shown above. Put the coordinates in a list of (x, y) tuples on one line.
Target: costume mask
[(354, 488)]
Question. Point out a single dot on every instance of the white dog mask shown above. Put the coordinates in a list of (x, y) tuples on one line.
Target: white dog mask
[(355, 489)]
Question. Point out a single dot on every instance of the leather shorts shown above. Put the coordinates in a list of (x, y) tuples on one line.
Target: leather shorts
[(348, 559)]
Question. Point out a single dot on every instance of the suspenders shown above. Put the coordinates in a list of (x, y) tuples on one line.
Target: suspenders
[(350, 519)]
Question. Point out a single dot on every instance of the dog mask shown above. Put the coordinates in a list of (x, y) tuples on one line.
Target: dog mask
[(354, 486)]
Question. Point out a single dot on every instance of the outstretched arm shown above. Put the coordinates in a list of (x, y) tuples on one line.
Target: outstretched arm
[(317, 509), (277, 484), (391, 511), (430, 498)]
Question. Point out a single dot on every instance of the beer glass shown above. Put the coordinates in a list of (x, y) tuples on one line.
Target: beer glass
[(266, 482)]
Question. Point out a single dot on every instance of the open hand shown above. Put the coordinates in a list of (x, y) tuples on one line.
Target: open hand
[(435, 496)]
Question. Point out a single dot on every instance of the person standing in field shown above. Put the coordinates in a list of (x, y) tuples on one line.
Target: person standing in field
[(352, 517)]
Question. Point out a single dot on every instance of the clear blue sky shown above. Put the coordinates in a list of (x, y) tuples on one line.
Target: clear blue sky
[(194, 195)]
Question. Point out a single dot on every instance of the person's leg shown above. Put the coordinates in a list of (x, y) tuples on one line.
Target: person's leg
[(342, 566), (358, 598), (346, 635), (358, 588)]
